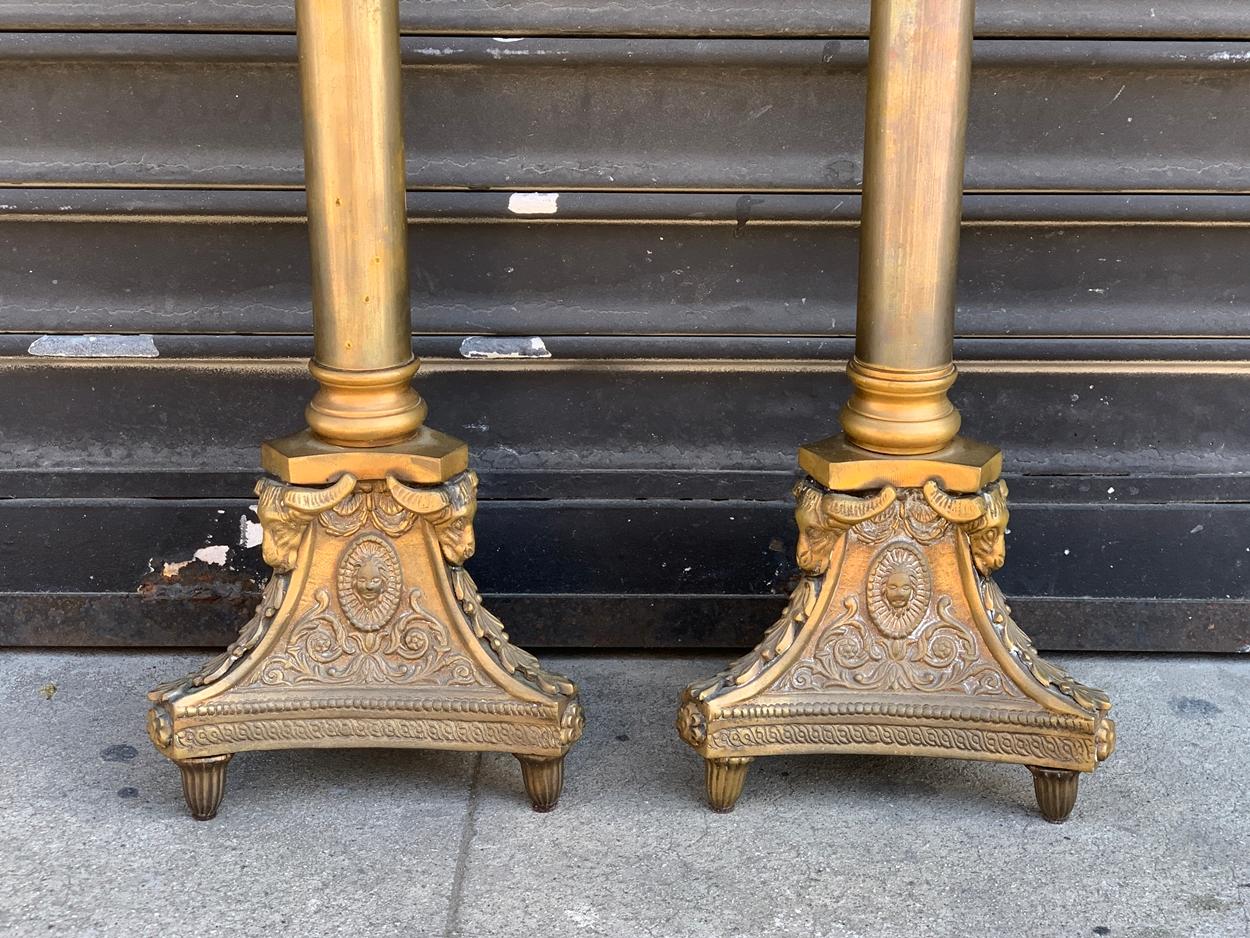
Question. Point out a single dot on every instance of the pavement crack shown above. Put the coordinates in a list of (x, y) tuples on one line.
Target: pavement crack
[(468, 831)]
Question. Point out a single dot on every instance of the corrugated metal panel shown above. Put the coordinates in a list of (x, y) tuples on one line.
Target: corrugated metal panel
[(1054, 18), (694, 288)]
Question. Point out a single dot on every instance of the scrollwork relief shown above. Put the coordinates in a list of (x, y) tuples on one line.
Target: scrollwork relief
[(413, 649), (943, 655)]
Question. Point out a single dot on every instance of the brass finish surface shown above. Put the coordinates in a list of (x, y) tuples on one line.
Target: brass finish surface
[(962, 466), (919, 67), (370, 632), (896, 640), (1056, 791), (428, 457), (898, 411), (354, 175)]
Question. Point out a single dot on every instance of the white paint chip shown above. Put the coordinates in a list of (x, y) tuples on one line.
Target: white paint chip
[(249, 532), (215, 554), (94, 346), (533, 203), (488, 346)]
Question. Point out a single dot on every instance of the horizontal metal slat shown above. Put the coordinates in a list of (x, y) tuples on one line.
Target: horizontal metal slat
[(689, 573), (634, 264), (1107, 18), (709, 416), (113, 110)]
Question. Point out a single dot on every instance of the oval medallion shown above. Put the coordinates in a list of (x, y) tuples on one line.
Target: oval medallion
[(370, 582), (898, 590)]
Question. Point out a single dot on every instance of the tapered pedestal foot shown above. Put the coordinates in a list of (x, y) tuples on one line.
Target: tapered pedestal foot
[(204, 783), (725, 778), (1056, 792), (544, 780)]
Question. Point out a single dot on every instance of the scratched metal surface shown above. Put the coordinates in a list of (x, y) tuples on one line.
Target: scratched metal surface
[(1054, 18), (559, 113)]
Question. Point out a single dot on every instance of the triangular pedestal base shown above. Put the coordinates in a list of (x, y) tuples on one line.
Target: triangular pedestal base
[(898, 642), (370, 633)]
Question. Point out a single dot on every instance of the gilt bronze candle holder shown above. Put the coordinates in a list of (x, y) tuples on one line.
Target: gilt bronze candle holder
[(896, 640), (370, 631)]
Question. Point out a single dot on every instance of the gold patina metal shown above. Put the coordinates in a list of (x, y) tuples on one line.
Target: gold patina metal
[(370, 631), (896, 640)]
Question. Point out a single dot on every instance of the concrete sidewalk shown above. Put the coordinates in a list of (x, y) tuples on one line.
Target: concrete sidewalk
[(95, 839)]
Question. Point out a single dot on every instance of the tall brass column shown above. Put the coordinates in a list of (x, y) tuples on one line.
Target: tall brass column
[(897, 640), (370, 631)]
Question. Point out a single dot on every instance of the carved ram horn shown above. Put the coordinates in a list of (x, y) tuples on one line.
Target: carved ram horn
[(462, 490), (422, 501), (958, 510), (315, 501), (849, 510)]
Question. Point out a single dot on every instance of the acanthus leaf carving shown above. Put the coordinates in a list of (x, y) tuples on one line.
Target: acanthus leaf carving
[(1046, 673), (249, 637), (775, 643), (490, 631)]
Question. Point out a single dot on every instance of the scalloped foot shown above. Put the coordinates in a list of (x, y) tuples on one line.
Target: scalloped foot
[(204, 783), (1056, 792), (544, 780), (725, 778)]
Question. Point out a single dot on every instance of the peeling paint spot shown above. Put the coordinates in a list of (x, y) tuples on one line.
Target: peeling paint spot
[(249, 532), (508, 39), (94, 346), (214, 554), (485, 346), (533, 203), (1196, 529)]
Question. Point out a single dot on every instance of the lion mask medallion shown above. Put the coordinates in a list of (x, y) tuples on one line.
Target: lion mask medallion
[(370, 582), (898, 590)]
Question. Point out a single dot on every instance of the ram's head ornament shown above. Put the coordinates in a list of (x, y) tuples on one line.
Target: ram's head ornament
[(983, 517), (823, 517), (286, 510), (449, 507)]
